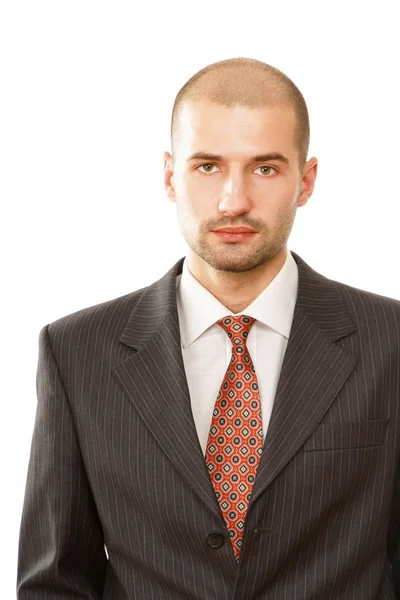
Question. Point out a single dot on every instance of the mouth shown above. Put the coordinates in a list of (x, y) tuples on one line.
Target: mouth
[(233, 235), (238, 229)]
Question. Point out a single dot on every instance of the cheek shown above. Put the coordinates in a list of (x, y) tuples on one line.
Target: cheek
[(278, 192), (188, 210), (196, 199), (197, 185)]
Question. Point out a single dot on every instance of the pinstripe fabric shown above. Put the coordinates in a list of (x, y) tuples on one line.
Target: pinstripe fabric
[(115, 459)]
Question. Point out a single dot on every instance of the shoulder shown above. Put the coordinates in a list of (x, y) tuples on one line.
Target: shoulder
[(104, 320), (102, 325), (369, 306)]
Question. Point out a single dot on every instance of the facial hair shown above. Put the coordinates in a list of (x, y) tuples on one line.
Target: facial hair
[(237, 257)]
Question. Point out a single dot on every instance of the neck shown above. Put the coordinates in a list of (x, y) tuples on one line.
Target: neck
[(236, 290)]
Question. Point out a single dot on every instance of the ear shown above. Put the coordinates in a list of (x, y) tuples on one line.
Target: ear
[(308, 180), (169, 184)]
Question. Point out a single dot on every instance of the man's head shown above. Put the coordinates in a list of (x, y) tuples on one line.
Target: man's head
[(254, 121)]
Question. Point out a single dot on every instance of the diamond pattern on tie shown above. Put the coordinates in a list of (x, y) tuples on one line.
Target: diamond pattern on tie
[(235, 439)]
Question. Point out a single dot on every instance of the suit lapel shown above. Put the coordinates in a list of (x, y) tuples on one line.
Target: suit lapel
[(155, 381), (313, 371)]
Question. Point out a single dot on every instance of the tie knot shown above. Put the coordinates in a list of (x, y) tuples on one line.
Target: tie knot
[(237, 328)]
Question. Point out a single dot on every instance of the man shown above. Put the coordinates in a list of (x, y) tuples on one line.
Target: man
[(230, 432)]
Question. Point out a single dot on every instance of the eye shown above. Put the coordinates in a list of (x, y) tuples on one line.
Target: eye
[(206, 165), (268, 168)]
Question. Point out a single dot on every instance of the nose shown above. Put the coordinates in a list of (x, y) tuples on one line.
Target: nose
[(234, 199)]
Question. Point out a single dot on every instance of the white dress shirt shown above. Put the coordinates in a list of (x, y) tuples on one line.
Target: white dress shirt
[(207, 349)]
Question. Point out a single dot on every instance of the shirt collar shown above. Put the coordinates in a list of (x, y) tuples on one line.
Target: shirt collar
[(198, 309)]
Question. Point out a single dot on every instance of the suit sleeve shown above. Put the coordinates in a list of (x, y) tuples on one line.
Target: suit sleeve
[(394, 535), (61, 547)]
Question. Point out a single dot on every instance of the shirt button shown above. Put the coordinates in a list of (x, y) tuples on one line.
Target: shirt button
[(215, 539)]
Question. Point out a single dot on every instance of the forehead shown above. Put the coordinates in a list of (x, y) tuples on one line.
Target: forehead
[(209, 126)]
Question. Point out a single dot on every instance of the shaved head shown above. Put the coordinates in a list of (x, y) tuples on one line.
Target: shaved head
[(244, 82)]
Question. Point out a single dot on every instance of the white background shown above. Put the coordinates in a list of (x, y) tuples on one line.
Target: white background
[(87, 90)]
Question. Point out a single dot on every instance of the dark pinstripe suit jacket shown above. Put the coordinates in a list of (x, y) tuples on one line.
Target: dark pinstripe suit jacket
[(115, 460)]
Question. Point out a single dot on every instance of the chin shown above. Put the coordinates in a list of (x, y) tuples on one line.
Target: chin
[(240, 264)]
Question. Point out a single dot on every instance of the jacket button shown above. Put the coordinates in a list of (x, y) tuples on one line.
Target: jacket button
[(215, 539)]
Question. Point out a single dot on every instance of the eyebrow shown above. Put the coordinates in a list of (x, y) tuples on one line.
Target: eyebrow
[(258, 158)]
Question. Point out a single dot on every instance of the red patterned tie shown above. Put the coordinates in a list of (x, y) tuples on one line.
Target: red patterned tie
[(235, 440)]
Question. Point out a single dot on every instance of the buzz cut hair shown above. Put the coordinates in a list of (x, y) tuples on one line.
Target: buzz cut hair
[(249, 83)]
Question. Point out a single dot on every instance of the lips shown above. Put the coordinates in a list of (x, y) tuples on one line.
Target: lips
[(237, 235), (235, 230)]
